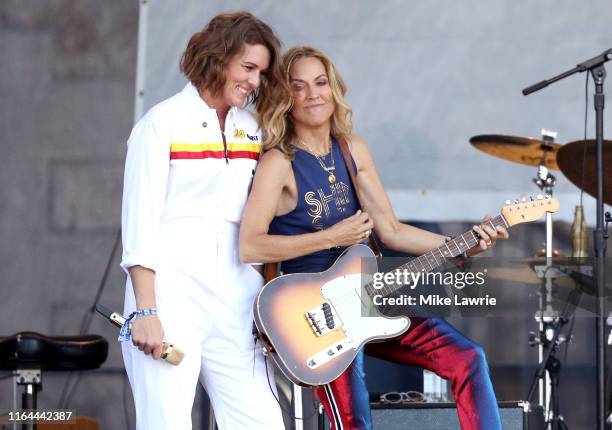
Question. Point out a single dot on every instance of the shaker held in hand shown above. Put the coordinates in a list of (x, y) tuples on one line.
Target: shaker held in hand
[(170, 353)]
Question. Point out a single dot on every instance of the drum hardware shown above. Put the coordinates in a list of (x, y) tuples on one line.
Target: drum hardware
[(549, 323), (549, 369), (548, 156), (596, 68), (590, 177), (578, 162), (543, 154)]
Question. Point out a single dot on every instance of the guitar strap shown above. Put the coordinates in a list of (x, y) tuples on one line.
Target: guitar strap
[(346, 154), (272, 270)]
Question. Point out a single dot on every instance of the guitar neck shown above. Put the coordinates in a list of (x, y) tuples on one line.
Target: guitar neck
[(436, 257)]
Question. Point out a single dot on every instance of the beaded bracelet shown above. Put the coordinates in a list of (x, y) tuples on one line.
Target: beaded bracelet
[(126, 330)]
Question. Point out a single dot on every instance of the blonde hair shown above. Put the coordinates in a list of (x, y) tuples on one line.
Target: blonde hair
[(275, 118)]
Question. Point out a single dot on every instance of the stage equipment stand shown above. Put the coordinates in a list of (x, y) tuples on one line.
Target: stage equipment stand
[(595, 66), (546, 316)]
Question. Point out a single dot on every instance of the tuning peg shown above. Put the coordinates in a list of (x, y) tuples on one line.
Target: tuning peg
[(523, 200), (516, 202), (508, 202), (539, 196)]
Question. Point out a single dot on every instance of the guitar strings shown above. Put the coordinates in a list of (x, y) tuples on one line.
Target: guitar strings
[(471, 241)]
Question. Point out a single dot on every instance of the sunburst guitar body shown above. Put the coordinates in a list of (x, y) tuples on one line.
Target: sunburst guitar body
[(313, 324)]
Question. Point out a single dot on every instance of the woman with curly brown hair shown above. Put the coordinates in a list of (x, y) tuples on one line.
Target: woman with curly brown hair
[(305, 211), (188, 170)]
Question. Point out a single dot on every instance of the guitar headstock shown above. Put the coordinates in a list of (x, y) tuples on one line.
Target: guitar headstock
[(528, 210)]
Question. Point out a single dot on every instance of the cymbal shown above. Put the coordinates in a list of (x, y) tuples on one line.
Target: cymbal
[(570, 159), (526, 273), (523, 150)]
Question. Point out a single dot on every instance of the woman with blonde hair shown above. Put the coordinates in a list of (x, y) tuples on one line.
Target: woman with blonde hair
[(189, 166), (303, 210)]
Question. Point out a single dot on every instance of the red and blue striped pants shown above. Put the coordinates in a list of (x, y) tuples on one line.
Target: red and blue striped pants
[(430, 343)]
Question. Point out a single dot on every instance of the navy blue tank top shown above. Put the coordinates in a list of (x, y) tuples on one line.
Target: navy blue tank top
[(319, 205)]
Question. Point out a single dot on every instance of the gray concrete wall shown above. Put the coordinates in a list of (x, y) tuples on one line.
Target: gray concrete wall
[(425, 76), (67, 83)]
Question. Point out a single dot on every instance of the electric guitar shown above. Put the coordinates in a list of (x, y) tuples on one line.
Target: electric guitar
[(312, 323)]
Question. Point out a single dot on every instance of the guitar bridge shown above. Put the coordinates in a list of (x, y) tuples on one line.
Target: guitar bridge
[(322, 319)]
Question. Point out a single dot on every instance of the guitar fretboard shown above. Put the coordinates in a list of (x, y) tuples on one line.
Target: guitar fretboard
[(435, 258)]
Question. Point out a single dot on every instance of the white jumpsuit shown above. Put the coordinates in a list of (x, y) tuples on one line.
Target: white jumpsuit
[(182, 203)]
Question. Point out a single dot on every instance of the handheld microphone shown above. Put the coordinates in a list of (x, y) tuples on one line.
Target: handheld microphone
[(170, 353)]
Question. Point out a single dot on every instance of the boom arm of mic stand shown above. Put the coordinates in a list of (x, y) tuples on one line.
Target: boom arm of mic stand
[(582, 67)]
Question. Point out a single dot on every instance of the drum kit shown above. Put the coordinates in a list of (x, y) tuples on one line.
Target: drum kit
[(577, 162), (569, 158)]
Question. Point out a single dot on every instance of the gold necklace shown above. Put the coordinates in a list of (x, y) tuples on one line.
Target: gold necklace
[(320, 158)]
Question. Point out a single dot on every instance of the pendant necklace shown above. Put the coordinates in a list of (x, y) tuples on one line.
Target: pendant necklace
[(321, 159)]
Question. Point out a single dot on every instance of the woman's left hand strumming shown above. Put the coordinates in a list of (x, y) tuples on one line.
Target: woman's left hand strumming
[(487, 236)]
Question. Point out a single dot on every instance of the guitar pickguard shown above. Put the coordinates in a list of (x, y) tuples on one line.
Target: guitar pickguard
[(357, 316)]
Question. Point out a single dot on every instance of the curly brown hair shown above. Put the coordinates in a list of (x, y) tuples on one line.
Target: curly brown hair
[(210, 50)]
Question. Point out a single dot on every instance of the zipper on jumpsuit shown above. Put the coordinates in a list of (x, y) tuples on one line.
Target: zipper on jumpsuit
[(225, 150), (226, 155)]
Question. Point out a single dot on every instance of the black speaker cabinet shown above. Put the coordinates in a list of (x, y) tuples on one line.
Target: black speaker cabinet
[(443, 416)]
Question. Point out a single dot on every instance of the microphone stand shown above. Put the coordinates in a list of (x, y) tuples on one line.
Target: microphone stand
[(596, 67)]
